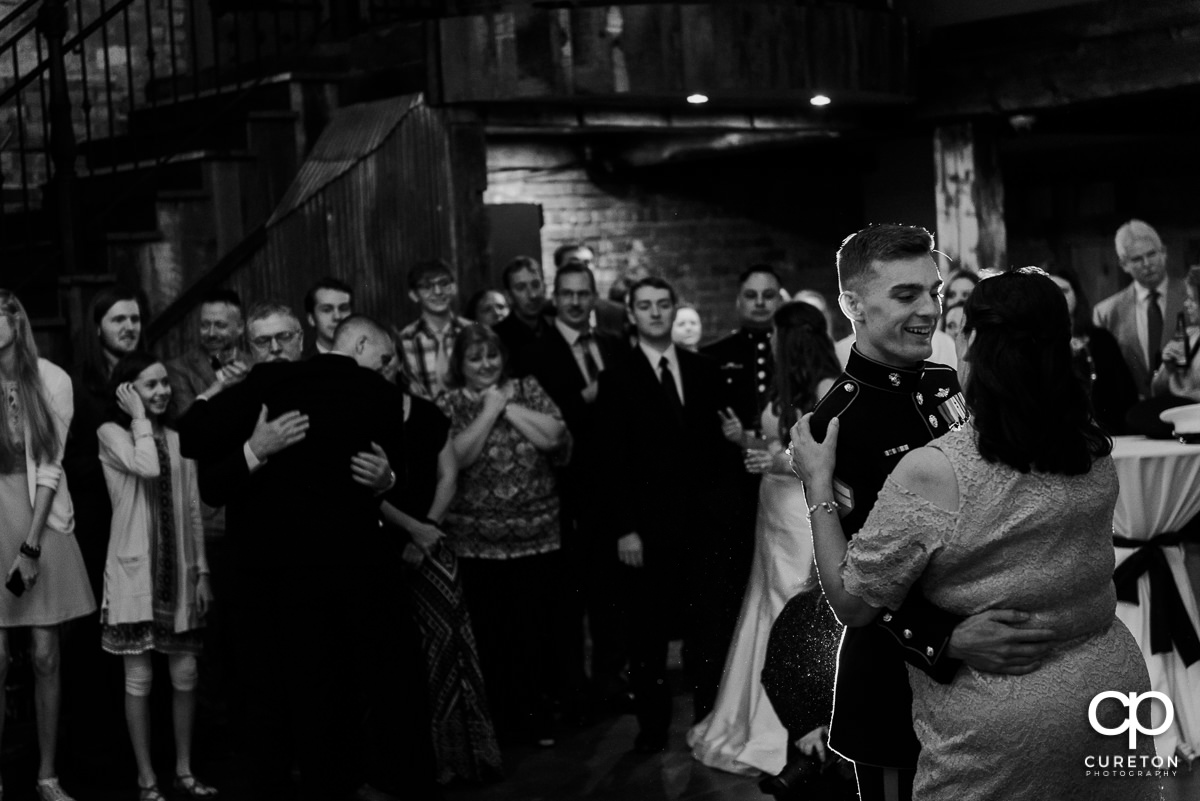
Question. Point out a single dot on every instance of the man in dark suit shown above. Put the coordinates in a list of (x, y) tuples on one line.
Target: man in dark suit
[(308, 579), (1141, 317), (747, 369), (607, 315), (568, 361), (667, 468), (525, 283)]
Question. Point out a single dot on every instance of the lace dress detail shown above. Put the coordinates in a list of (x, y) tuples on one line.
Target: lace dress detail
[(1036, 542)]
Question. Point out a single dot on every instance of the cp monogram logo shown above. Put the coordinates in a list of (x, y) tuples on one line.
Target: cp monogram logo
[(1132, 700)]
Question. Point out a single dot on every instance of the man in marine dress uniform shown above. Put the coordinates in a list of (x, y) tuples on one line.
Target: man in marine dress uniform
[(747, 369), (890, 401)]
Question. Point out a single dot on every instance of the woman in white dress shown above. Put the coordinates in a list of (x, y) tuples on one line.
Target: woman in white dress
[(743, 734)]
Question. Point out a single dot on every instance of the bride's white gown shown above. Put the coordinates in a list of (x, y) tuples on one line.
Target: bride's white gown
[(743, 734)]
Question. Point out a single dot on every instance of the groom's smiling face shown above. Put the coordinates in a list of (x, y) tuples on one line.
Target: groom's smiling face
[(897, 307)]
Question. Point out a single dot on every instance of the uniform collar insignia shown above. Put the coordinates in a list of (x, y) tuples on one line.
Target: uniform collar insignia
[(883, 376)]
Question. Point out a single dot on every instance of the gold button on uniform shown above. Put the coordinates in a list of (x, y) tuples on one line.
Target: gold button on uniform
[(908, 634)]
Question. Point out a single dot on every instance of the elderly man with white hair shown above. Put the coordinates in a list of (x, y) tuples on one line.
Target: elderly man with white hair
[(1141, 317)]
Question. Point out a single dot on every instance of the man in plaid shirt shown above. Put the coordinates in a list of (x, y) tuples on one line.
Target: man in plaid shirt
[(428, 341)]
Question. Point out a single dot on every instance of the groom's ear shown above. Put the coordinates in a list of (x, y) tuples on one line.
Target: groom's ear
[(851, 303)]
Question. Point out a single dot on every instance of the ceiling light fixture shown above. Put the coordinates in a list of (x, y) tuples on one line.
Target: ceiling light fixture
[(697, 98), (820, 100)]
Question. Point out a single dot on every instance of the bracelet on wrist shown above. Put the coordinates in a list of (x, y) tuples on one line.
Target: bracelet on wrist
[(32, 551), (829, 506)]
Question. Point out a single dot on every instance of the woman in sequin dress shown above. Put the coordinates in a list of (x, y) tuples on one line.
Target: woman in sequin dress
[(38, 552), (156, 588)]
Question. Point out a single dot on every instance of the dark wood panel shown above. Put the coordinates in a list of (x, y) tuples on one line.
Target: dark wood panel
[(664, 51)]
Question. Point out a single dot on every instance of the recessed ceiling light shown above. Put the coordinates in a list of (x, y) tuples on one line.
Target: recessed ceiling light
[(697, 99), (820, 100)]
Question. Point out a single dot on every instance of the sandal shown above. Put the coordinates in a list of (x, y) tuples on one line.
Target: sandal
[(50, 790), (192, 787), (150, 793)]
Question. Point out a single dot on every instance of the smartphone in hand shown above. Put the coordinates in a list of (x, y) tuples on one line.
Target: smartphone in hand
[(16, 584)]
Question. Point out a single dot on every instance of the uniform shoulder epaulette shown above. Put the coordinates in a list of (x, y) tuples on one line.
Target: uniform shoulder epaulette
[(839, 397)]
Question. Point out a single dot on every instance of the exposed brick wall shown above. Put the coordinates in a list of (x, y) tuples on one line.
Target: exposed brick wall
[(697, 224)]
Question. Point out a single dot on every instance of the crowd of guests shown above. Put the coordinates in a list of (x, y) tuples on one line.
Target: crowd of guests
[(530, 501)]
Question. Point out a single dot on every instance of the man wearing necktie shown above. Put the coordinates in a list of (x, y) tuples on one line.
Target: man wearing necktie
[(1142, 316), (568, 360), (667, 477)]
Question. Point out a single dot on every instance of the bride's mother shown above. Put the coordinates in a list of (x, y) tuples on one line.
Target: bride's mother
[(503, 524)]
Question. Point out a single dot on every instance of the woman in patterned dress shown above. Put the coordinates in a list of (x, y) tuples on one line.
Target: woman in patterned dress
[(503, 526), (156, 588), (464, 741), (43, 567)]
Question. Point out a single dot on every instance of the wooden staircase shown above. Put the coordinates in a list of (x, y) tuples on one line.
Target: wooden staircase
[(197, 163)]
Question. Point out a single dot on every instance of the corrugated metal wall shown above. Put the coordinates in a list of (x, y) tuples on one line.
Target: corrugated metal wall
[(367, 219)]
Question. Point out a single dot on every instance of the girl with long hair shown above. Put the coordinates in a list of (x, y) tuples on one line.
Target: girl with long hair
[(156, 589), (45, 577), (743, 734)]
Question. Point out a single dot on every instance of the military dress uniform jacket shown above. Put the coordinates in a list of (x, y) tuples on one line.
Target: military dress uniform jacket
[(885, 412), (747, 369)]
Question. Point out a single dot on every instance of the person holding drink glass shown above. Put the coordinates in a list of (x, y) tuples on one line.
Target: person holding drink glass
[(1179, 374)]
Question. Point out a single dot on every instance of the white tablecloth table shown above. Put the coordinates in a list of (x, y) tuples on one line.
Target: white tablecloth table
[(1160, 492)]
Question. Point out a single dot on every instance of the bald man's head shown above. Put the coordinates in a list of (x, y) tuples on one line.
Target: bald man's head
[(366, 341)]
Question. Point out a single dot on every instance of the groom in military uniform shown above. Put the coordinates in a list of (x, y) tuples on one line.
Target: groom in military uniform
[(889, 401)]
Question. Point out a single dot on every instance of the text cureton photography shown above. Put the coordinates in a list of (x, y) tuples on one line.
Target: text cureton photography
[(1132, 765)]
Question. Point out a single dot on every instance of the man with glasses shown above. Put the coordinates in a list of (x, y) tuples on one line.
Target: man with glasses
[(274, 333), (1142, 315), (568, 361), (427, 342)]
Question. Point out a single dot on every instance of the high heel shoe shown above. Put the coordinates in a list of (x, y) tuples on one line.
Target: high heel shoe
[(51, 790), (192, 787)]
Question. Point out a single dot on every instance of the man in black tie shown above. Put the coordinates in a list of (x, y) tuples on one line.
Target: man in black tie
[(1141, 317), (567, 361), (667, 468)]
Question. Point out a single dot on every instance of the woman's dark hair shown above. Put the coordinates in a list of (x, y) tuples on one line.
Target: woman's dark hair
[(127, 369), (1081, 320), (804, 357), (474, 334), (93, 363), (1028, 408)]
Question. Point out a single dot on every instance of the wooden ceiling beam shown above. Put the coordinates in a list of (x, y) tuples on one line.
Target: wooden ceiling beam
[(1061, 58)]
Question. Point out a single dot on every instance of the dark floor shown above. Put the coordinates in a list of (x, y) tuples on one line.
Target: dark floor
[(593, 763)]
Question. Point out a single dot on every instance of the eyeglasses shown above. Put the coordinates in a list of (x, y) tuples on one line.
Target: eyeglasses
[(440, 285), (281, 339), (1142, 258)]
